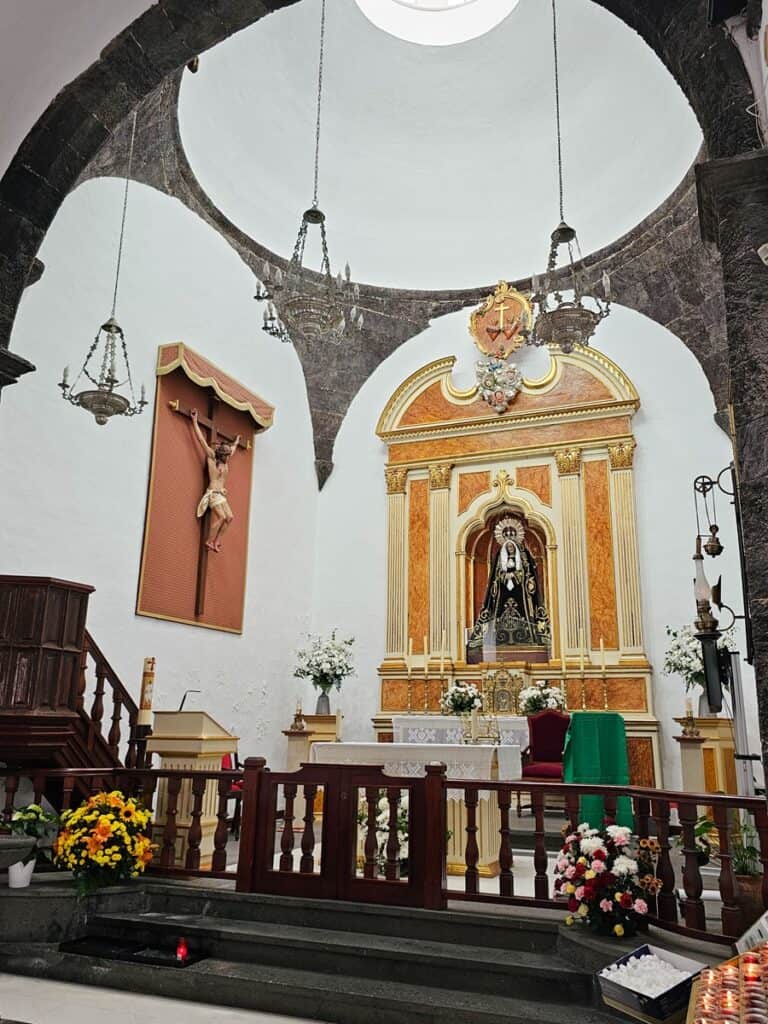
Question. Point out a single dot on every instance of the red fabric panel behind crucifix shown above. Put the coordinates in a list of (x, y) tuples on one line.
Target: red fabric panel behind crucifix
[(178, 580)]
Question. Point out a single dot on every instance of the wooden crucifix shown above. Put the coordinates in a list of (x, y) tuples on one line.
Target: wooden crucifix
[(215, 436)]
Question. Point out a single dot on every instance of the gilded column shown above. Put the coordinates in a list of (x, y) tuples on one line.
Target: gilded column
[(627, 557), (397, 562), (574, 561), (439, 555)]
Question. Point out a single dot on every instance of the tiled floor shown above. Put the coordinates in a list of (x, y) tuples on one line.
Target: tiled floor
[(33, 1001)]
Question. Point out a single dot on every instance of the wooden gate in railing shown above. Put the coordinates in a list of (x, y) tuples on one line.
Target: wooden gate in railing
[(290, 849)]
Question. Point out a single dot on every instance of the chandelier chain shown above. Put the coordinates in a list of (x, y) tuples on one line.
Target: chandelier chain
[(122, 221), (557, 108), (319, 102)]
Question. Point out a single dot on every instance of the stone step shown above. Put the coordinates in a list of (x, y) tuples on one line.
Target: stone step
[(378, 957), (337, 999), (495, 928)]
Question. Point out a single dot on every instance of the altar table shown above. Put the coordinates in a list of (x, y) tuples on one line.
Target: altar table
[(462, 761), (447, 729)]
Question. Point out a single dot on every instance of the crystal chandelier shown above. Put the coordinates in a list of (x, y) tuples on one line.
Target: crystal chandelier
[(104, 400), (299, 301), (559, 321)]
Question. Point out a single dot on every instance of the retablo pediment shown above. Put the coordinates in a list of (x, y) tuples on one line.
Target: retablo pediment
[(578, 384)]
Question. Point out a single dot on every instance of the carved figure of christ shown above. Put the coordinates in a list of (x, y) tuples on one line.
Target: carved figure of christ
[(220, 515)]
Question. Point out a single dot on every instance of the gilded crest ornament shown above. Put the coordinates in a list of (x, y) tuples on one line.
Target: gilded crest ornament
[(500, 325), (498, 382)]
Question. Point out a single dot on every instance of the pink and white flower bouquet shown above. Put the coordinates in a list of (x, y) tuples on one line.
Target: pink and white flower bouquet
[(605, 878)]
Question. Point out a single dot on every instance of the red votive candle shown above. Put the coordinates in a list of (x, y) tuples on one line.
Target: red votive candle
[(182, 951)]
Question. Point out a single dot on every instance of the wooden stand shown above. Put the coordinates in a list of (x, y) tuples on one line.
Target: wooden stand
[(708, 759), (189, 741)]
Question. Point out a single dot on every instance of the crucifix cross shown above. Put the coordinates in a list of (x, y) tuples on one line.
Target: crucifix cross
[(215, 434), (501, 309)]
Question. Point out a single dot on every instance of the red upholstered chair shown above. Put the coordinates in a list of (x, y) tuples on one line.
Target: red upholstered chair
[(543, 758), (231, 763)]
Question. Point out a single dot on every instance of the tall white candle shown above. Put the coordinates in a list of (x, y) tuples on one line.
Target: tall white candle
[(602, 655), (338, 725), (409, 660), (581, 649), (426, 656), (473, 724)]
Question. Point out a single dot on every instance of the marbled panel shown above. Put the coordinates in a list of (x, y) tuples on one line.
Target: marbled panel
[(640, 755), (509, 440), (394, 694), (601, 575), (470, 485), (623, 694), (418, 563), (577, 387), (537, 479)]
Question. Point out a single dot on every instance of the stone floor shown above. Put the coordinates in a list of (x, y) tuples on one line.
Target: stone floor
[(35, 1001)]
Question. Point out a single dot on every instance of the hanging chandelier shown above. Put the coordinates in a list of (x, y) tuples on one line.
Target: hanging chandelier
[(303, 302), (105, 399), (560, 321)]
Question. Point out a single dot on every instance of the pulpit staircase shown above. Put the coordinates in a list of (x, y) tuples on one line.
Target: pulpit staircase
[(56, 684), (343, 962)]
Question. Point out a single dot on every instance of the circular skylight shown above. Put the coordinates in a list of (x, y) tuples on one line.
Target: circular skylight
[(436, 22)]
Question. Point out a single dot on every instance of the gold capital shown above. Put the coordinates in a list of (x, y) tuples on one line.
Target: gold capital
[(568, 461), (395, 477), (622, 454), (440, 476)]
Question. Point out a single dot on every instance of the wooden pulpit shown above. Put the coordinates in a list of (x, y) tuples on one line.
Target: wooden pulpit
[(192, 741), (181, 579)]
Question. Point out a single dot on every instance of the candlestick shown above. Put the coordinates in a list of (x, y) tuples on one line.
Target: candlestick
[(602, 655), (688, 707), (65, 375)]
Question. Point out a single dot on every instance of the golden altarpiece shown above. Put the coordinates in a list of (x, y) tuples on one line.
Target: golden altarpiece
[(559, 462)]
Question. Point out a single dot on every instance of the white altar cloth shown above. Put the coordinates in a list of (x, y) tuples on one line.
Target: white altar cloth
[(447, 729), (462, 761)]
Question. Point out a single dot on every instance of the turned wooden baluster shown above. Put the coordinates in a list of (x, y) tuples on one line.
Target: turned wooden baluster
[(761, 824), (506, 878), (132, 753), (11, 785), (693, 908), (609, 806), (392, 865), (97, 709), (168, 853), (81, 680), (540, 859), (642, 809), (113, 741), (472, 851), (38, 787), (572, 810), (666, 899), (730, 915), (371, 839), (287, 841), (307, 863), (220, 836), (195, 833)]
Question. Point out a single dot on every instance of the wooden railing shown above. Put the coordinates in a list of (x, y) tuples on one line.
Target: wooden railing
[(97, 680), (318, 832)]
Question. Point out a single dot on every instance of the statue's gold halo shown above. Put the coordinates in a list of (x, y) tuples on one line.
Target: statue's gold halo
[(507, 523), (500, 323)]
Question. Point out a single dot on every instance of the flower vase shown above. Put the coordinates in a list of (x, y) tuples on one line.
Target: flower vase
[(323, 706), (20, 874)]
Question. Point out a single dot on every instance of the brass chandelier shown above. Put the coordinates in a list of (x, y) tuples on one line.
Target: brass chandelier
[(301, 302), (105, 399), (560, 321)]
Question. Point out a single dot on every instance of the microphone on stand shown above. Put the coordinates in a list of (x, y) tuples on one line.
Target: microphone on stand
[(186, 694)]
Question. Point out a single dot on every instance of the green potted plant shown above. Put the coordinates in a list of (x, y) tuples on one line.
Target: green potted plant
[(30, 822), (748, 869)]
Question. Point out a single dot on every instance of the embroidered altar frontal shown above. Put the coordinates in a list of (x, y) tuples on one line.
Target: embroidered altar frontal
[(181, 579)]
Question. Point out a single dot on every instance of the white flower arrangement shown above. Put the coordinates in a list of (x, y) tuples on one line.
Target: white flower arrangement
[(541, 697), (325, 662), (683, 655), (460, 699)]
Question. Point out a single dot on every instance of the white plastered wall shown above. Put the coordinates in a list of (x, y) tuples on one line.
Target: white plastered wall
[(73, 493), (677, 440)]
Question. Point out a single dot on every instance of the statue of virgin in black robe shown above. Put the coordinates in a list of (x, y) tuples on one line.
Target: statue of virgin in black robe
[(513, 608)]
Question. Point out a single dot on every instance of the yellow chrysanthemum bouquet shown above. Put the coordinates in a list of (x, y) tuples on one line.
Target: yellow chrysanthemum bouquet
[(104, 841)]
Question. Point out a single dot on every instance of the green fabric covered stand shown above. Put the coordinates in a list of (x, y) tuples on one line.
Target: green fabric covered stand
[(596, 754)]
